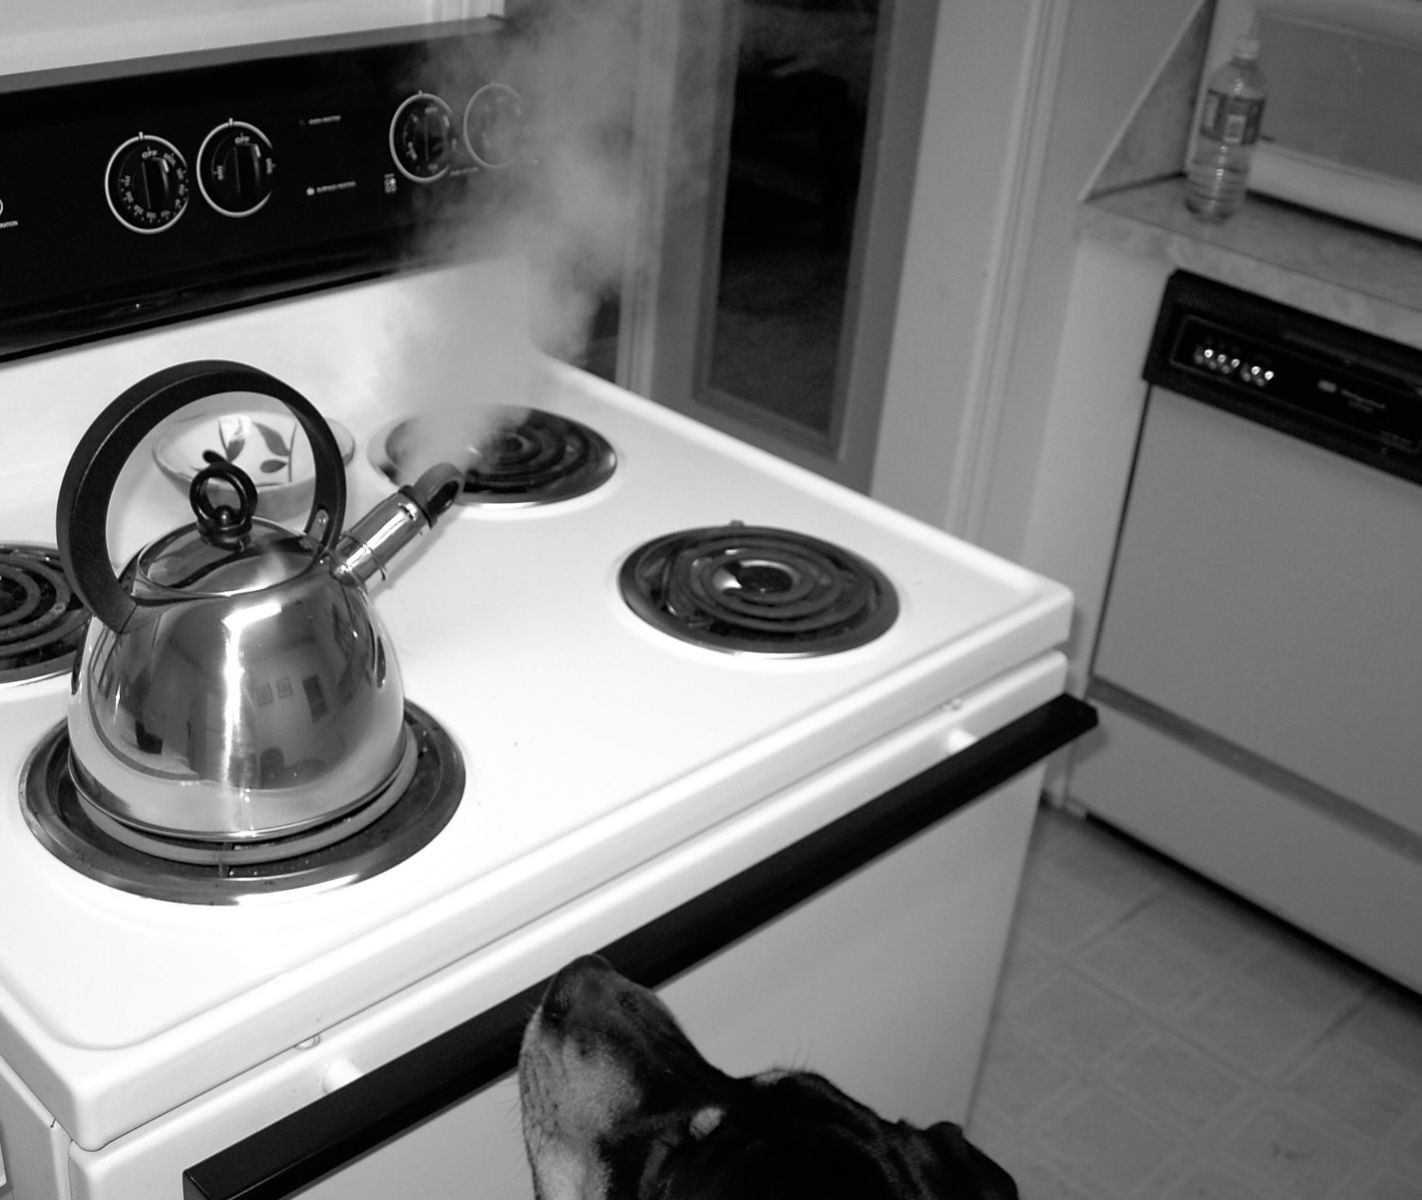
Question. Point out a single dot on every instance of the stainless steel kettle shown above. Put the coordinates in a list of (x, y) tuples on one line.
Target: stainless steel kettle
[(235, 682)]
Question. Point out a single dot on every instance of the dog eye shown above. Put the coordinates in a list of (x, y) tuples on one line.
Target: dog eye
[(627, 1003)]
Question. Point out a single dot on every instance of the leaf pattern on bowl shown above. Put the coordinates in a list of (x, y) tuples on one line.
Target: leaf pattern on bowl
[(269, 449), (275, 442), (232, 435)]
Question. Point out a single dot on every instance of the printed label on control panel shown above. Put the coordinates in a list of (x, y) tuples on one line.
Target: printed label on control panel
[(325, 189)]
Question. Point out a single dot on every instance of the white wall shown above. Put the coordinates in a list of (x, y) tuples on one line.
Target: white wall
[(1112, 51), (965, 206), (1026, 100)]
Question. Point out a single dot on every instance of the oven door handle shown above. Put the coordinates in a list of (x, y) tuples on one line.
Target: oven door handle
[(372, 1108)]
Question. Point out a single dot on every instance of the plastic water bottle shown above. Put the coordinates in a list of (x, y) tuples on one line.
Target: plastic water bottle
[(1229, 125)]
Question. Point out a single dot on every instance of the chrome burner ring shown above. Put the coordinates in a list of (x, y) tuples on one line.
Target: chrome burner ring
[(352, 848)]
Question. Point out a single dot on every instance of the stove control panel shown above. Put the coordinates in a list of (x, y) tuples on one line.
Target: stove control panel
[(195, 182)]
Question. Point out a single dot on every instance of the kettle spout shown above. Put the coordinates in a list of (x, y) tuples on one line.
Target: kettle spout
[(367, 547)]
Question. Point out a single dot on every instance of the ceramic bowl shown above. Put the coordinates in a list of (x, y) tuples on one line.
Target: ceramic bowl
[(269, 446)]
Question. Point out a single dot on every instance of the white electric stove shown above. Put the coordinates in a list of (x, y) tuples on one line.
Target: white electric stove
[(690, 808)]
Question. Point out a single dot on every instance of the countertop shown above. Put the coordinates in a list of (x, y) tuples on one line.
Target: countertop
[(1336, 269)]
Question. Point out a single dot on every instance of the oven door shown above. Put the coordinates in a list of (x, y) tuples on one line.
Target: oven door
[(869, 947)]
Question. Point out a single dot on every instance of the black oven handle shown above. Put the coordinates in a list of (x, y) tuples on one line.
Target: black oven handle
[(332, 1132)]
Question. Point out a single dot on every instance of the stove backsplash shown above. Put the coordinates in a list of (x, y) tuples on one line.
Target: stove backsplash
[(364, 355), (43, 36)]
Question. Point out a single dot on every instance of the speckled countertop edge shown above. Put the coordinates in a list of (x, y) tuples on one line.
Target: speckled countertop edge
[(1363, 278)]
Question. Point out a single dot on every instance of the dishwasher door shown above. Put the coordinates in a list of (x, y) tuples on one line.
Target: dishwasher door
[(1268, 591), (1259, 676)]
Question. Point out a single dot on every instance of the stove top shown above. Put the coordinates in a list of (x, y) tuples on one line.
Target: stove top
[(591, 739), (529, 456), (41, 620), (749, 588), (400, 820)]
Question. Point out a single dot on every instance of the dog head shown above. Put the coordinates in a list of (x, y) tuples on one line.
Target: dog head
[(619, 1105)]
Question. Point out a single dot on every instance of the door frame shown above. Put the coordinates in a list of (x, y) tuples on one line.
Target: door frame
[(685, 118), (960, 109)]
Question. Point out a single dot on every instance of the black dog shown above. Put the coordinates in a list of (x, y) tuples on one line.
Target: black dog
[(619, 1105)]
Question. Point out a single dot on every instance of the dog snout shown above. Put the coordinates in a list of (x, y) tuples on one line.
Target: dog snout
[(584, 983)]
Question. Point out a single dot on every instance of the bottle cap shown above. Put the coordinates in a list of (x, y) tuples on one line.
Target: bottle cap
[(1247, 48)]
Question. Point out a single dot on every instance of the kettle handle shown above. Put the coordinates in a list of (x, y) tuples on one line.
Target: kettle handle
[(93, 471)]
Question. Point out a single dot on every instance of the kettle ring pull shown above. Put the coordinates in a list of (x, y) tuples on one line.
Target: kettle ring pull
[(219, 521), (88, 485)]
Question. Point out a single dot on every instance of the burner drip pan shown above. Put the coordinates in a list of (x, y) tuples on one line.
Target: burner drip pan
[(394, 825), (42, 621), (530, 456), (759, 590)]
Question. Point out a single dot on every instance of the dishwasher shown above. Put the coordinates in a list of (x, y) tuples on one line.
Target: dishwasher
[(1259, 667)]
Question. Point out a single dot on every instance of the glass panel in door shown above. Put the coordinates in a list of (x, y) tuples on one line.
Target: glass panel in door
[(796, 147), (788, 147)]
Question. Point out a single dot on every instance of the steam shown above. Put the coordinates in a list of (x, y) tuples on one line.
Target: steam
[(566, 241), (578, 65)]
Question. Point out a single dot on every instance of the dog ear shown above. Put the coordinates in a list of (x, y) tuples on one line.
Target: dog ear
[(961, 1169)]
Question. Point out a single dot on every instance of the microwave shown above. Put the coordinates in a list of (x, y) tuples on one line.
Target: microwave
[(1342, 124)]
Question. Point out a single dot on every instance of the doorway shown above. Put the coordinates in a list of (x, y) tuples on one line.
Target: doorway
[(780, 170)]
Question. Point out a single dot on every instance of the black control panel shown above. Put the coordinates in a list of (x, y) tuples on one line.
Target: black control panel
[(1328, 383), (137, 193)]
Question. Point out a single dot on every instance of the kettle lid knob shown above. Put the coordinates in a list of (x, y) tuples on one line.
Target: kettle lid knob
[(218, 519)]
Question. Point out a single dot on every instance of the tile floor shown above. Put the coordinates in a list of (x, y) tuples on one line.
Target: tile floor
[(1157, 1039)]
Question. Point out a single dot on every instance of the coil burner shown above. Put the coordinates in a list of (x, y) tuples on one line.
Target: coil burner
[(398, 821), (759, 590), (530, 456), (41, 619)]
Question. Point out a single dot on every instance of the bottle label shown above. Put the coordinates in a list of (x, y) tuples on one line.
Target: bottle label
[(1233, 120)]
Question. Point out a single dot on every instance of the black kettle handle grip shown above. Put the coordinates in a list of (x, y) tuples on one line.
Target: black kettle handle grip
[(93, 471)]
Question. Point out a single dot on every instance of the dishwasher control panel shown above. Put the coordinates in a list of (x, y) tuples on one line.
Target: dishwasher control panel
[(1331, 384)]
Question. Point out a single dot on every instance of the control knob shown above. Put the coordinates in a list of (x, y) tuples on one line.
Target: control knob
[(146, 184), (234, 169), (420, 136), (493, 125)]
